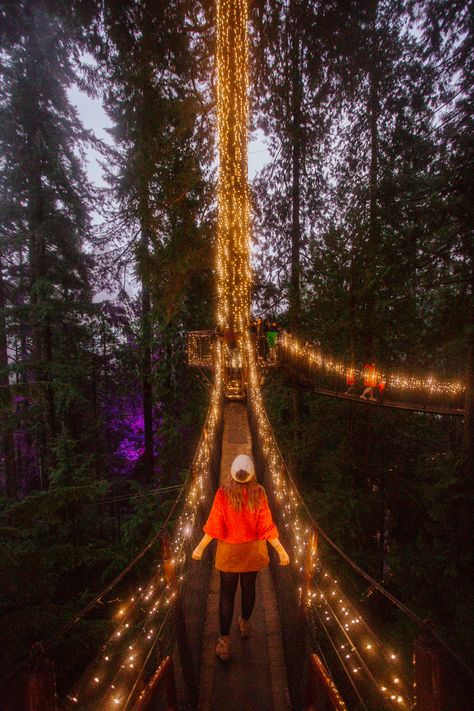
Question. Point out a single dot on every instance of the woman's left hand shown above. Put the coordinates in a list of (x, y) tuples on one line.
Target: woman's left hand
[(197, 553)]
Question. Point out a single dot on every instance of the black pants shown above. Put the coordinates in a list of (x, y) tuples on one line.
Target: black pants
[(226, 601)]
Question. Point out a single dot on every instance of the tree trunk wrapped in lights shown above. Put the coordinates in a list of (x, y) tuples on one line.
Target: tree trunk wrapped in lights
[(233, 264)]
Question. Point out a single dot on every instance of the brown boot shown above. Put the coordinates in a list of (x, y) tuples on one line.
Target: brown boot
[(223, 648), (244, 626)]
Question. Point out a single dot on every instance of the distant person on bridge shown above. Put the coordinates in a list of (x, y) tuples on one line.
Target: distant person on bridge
[(381, 385), (369, 377), (241, 520), (272, 338), (350, 381)]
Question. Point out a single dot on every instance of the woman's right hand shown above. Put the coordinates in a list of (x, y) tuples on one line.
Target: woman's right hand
[(282, 554)]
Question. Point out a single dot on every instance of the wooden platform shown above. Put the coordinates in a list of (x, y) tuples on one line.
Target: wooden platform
[(254, 678)]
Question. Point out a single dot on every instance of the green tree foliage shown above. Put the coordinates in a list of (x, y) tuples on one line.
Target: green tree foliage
[(70, 368), (157, 174), (45, 224), (386, 270)]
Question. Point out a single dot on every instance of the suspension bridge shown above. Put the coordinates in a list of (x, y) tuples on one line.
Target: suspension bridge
[(311, 647)]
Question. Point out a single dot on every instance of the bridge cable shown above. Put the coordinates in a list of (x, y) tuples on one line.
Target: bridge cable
[(336, 651), (117, 579)]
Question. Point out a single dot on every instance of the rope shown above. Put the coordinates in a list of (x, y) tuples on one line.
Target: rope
[(341, 661), (349, 640), (147, 658), (124, 497), (455, 112), (155, 641), (99, 502)]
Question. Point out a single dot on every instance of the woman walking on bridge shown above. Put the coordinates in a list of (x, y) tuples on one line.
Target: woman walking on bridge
[(241, 520)]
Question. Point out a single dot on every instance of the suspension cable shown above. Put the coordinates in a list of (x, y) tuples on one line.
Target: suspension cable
[(341, 661), (117, 579), (145, 662)]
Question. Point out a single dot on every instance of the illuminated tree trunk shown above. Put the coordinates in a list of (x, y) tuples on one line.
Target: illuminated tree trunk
[(233, 260), (8, 445)]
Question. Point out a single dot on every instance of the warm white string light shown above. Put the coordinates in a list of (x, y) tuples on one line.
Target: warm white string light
[(109, 680), (233, 224), (312, 357)]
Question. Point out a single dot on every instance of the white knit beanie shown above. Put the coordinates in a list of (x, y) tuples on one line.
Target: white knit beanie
[(242, 463)]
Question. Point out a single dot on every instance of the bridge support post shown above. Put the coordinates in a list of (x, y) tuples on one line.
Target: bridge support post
[(40, 682), (163, 677), (184, 649), (321, 692), (427, 673)]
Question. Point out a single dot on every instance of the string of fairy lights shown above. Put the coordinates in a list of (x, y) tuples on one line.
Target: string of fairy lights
[(233, 223), (111, 679), (313, 358), (364, 657)]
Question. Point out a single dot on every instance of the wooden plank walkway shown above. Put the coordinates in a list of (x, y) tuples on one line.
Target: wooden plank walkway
[(254, 678)]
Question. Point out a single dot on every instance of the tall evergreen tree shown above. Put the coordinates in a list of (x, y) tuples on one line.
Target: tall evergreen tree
[(157, 172), (45, 197)]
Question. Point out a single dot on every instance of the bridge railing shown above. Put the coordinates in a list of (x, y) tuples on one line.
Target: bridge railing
[(369, 670), (151, 623), (287, 580), (307, 362), (162, 685), (200, 348)]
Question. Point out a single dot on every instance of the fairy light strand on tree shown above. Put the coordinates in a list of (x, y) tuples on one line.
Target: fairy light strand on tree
[(233, 260), (312, 357)]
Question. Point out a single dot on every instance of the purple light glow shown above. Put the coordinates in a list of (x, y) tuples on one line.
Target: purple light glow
[(125, 425)]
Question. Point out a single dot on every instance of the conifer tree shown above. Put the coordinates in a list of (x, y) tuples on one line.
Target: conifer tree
[(45, 197), (157, 171)]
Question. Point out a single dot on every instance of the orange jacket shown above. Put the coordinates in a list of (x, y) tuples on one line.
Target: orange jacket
[(369, 375), (350, 376), (232, 526)]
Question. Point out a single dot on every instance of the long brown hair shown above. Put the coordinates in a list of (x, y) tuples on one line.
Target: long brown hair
[(235, 493)]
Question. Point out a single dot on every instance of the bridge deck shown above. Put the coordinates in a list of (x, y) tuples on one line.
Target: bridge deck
[(306, 383), (255, 675)]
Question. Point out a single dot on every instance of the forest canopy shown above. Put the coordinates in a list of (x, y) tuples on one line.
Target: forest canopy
[(362, 243)]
